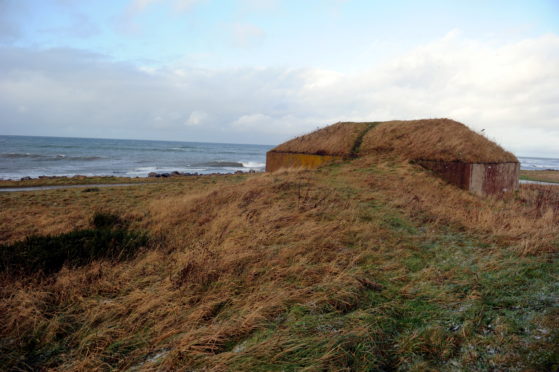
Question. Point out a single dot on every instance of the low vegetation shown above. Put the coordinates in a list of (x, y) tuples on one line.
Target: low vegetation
[(428, 139), (433, 139), (371, 264), (551, 176), (336, 139)]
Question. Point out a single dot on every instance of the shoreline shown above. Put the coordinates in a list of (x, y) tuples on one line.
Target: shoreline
[(80, 180), (92, 187)]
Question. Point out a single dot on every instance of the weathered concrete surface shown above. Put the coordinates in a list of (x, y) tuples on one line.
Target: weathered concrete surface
[(479, 178), (494, 178), (276, 160)]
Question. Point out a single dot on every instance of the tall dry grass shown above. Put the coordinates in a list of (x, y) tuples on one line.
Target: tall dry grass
[(335, 139), (236, 276), (223, 269), (433, 139), (528, 219)]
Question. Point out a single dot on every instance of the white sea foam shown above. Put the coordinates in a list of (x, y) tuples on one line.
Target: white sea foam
[(253, 164)]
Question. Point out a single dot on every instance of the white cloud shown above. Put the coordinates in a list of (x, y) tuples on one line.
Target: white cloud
[(186, 5), (139, 6), (282, 125), (246, 35), (509, 90), (260, 4), (196, 118)]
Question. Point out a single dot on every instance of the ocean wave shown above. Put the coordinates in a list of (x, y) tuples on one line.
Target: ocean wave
[(27, 155), (253, 164), (144, 171), (182, 149), (14, 155), (86, 158)]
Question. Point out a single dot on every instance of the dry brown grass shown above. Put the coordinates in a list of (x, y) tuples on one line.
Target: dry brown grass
[(59, 211), (433, 139), (542, 176), (336, 139), (357, 266), (529, 218), (229, 258)]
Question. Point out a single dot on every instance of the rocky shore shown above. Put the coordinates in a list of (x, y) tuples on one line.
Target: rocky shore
[(150, 175), (182, 174)]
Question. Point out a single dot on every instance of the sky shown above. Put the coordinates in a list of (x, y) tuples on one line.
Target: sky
[(263, 71)]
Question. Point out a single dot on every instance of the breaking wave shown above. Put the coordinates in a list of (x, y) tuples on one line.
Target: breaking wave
[(27, 155)]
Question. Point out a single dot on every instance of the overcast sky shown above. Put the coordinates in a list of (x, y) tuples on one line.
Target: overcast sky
[(262, 71)]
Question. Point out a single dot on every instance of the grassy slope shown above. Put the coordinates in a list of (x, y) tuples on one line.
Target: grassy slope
[(366, 265)]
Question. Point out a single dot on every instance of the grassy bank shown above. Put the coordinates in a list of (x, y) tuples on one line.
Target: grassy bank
[(365, 265), (540, 176)]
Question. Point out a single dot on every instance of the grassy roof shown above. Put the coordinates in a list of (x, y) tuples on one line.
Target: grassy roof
[(336, 139), (428, 139), (433, 139)]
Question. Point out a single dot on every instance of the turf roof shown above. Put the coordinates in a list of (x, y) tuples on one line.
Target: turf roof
[(427, 139)]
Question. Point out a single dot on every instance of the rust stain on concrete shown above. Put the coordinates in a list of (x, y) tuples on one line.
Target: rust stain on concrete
[(478, 178)]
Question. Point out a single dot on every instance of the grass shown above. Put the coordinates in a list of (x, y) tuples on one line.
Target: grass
[(433, 139), (108, 238), (550, 176), (335, 139), (371, 264), (104, 180), (428, 139), (52, 212)]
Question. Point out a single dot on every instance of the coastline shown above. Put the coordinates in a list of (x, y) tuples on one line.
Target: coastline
[(79, 180), (549, 177)]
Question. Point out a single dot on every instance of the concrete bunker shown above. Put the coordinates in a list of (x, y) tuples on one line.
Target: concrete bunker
[(448, 148)]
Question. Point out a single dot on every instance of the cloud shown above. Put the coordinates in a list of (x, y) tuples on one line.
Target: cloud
[(260, 4), (185, 5), (507, 89), (246, 35), (138, 6), (196, 118)]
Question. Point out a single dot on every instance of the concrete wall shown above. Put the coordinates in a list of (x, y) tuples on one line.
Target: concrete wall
[(276, 160), (494, 178), (479, 178)]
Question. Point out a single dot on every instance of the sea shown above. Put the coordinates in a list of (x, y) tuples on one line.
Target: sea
[(26, 156)]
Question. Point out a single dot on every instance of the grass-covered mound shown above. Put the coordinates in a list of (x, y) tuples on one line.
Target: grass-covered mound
[(336, 139), (433, 139), (367, 265), (427, 139)]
